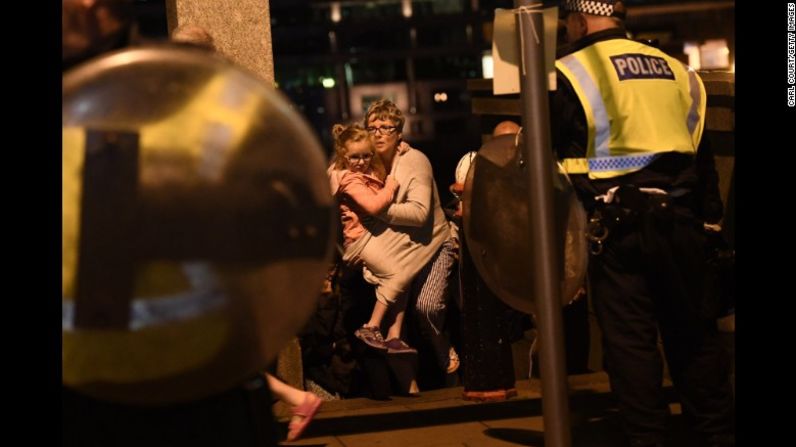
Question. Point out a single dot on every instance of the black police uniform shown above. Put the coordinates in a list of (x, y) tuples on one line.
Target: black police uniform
[(649, 279)]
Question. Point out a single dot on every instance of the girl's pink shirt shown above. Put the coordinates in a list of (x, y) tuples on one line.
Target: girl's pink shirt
[(360, 194)]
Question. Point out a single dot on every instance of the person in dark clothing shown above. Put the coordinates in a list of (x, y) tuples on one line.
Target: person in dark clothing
[(627, 123), (93, 27)]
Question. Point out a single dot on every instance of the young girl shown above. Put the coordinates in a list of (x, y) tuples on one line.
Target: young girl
[(363, 190)]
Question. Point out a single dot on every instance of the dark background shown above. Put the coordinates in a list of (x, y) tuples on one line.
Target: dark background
[(373, 50)]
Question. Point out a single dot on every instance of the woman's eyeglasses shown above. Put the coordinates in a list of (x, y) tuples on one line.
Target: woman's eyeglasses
[(384, 130), (356, 158)]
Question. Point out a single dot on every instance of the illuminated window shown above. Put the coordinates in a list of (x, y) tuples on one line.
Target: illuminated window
[(487, 66), (714, 54), (691, 49)]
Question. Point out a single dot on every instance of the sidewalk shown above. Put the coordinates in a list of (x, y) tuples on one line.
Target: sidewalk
[(442, 418)]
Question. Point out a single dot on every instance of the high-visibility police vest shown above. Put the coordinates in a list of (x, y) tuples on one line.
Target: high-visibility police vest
[(639, 103)]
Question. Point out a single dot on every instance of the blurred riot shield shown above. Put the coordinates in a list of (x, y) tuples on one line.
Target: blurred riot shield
[(197, 225), (495, 208)]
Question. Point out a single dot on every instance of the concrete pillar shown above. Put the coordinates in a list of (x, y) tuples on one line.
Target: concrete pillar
[(241, 29)]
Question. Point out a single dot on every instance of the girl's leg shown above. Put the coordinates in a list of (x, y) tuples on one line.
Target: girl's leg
[(379, 311), (303, 405), (284, 392), (398, 311)]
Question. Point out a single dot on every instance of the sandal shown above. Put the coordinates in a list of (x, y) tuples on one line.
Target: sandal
[(306, 411)]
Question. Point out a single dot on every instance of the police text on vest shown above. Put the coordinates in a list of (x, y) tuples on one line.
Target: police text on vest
[(641, 66)]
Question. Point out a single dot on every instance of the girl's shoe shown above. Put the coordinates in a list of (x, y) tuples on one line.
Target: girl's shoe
[(371, 336), (397, 346)]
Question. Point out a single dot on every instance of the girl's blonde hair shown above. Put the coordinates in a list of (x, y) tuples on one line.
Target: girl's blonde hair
[(354, 133)]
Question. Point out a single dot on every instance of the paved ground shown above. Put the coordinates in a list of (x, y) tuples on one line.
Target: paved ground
[(442, 418)]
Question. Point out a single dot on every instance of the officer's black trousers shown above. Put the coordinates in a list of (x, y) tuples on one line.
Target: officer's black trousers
[(648, 281)]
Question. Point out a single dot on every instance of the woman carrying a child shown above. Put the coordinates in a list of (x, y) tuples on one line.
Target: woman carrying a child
[(408, 253)]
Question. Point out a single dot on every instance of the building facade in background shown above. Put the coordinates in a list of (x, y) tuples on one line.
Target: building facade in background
[(332, 58)]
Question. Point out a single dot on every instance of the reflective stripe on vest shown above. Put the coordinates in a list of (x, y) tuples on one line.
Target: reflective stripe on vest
[(696, 99), (602, 128), (604, 164)]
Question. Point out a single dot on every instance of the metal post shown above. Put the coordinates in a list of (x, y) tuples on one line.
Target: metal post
[(342, 81), (537, 153)]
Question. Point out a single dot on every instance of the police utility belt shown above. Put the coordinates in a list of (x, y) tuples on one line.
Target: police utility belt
[(621, 206)]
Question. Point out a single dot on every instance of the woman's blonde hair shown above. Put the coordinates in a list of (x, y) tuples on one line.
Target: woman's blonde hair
[(354, 133), (384, 109)]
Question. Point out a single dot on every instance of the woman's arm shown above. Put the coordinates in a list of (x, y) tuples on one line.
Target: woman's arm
[(415, 207)]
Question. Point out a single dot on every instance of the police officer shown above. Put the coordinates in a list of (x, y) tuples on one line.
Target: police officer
[(627, 124)]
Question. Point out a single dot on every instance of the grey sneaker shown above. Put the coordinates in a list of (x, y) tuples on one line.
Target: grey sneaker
[(371, 336), (397, 346)]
